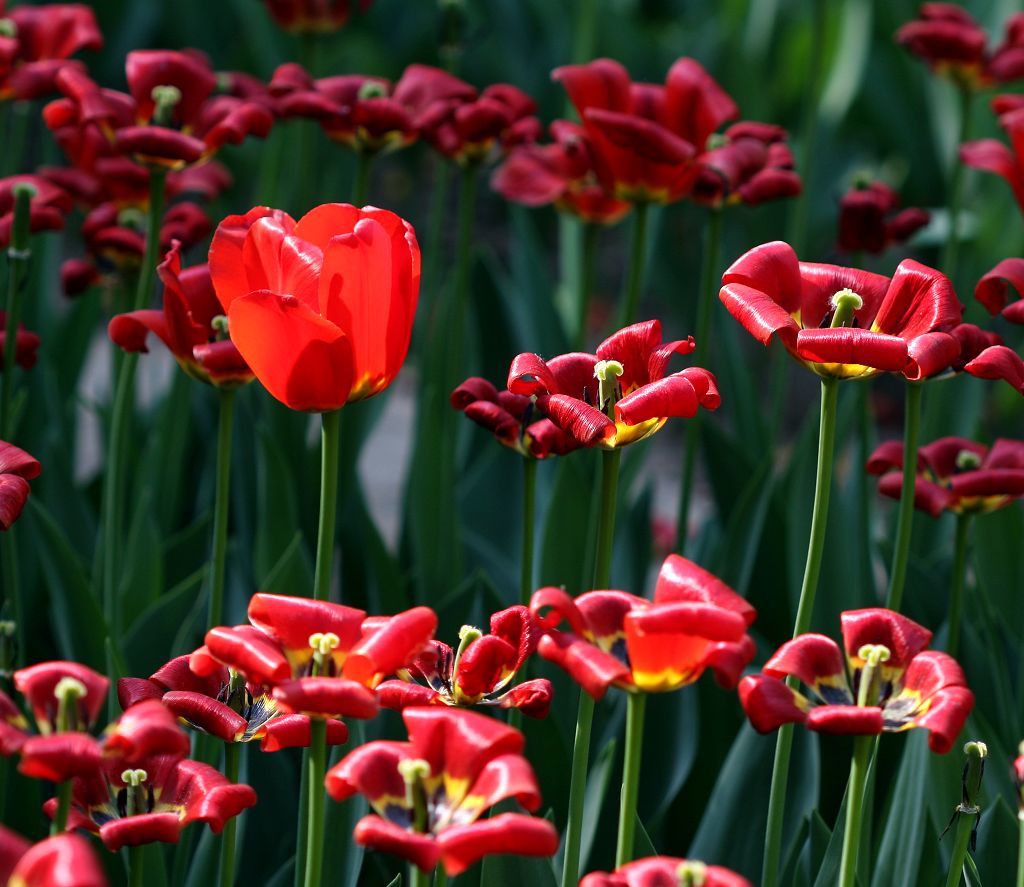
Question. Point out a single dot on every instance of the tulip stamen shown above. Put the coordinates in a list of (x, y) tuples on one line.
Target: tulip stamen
[(166, 98), (413, 772), (68, 691), (607, 373), (323, 643), (692, 873), (873, 656), (844, 303)]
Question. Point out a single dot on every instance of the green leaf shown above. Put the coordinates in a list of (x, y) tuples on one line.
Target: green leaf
[(146, 645), (903, 828), (598, 780)]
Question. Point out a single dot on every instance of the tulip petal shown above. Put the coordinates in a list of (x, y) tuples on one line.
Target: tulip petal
[(769, 703), (818, 662), (992, 290), (846, 720), (379, 834), (593, 669), (294, 731), (326, 697), (389, 645), (461, 846), (853, 347), (231, 275), (999, 362), (903, 637)]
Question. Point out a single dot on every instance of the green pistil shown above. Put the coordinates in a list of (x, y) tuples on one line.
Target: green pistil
[(166, 99), (607, 373), (236, 700), (371, 89), (323, 643), (135, 794), (717, 140), (8, 28), (413, 772), (967, 460), (873, 655), (132, 217), (692, 874), (220, 327), (68, 691), (467, 634), (845, 303)]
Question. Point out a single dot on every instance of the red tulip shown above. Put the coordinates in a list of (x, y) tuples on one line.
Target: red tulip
[(883, 325), (750, 163), (322, 309), (899, 684), (429, 793), (26, 343), (61, 861), (47, 208), (646, 137), (313, 16), (187, 325), (38, 683), (480, 672), (665, 871), (992, 290), (1018, 777), (17, 468), (993, 156), (999, 362), (954, 474), (617, 639), (869, 220), (634, 398)]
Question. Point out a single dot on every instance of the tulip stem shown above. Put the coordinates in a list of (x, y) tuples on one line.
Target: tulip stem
[(637, 260), (606, 527), (956, 189), (227, 846), (705, 300), (456, 321), (361, 183), (965, 824), (956, 595), (19, 254), (329, 444), (529, 507), (630, 777), (854, 808), (1020, 851), (135, 868), (440, 877), (901, 552), (418, 877), (315, 813), (805, 608), (60, 819), (111, 517), (585, 282), (221, 504)]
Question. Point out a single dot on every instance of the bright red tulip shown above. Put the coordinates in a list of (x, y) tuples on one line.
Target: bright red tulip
[(429, 793), (749, 163), (634, 398), (954, 474), (61, 861), (322, 309), (313, 16), (870, 219), (993, 290), (993, 156), (617, 639), (883, 325), (17, 468), (479, 672), (889, 682), (665, 871)]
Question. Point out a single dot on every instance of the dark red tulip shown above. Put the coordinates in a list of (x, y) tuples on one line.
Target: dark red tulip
[(429, 794), (17, 468), (665, 871), (617, 639), (749, 163), (993, 156), (954, 474), (870, 219), (479, 672), (999, 362), (37, 684), (26, 343), (47, 208), (899, 684), (993, 290), (61, 861), (881, 324), (646, 137), (313, 16), (634, 398)]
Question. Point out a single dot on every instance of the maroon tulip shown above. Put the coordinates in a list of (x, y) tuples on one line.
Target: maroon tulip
[(870, 219), (993, 156), (17, 468), (844, 322), (47, 208), (665, 871), (26, 343), (313, 16), (954, 474), (993, 289), (999, 362)]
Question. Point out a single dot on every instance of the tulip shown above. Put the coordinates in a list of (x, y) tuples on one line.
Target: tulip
[(869, 221), (991, 155), (992, 290), (655, 871), (65, 860), (17, 468), (313, 16)]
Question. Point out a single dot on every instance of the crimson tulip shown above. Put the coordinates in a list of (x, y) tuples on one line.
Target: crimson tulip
[(429, 794), (749, 163), (36, 43), (617, 639), (64, 860), (480, 672), (321, 309), (666, 871), (844, 322), (899, 683), (999, 362), (870, 219), (47, 208), (992, 290), (619, 395), (17, 468), (313, 16), (190, 325), (26, 343), (954, 474), (991, 155), (646, 137)]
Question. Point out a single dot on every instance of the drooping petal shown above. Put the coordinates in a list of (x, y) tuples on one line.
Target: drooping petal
[(326, 697), (846, 720), (931, 354), (582, 422), (129, 331), (379, 834), (64, 860), (769, 703), (854, 346), (818, 662), (532, 698), (207, 714), (463, 845), (397, 695), (999, 362), (144, 828), (485, 664), (681, 579), (60, 756), (593, 669), (903, 637), (389, 644), (244, 649), (992, 290), (928, 496), (144, 730), (294, 731)]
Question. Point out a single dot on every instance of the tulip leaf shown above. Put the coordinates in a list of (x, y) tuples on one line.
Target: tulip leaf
[(141, 579), (598, 781), (146, 644), (514, 871), (670, 750), (903, 827)]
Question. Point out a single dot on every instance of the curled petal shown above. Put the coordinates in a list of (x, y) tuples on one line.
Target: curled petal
[(678, 395), (293, 731), (992, 290), (244, 649), (849, 345), (817, 661), (999, 362), (848, 720), (64, 860), (903, 637), (945, 717), (530, 375), (769, 703), (928, 497), (129, 331), (728, 660), (484, 664), (159, 144), (145, 828), (145, 730), (582, 422), (14, 492), (207, 714), (391, 646), (562, 606), (681, 579), (326, 697), (887, 456), (370, 770), (505, 776), (931, 354), (60, 756), (206, 795), (593, 669), (397, 695), (291, 620), (532, 698), (379, 834), (463, 845)]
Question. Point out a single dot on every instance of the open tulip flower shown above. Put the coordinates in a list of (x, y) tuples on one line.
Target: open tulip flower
[(36, 43), (993, 290), (17, 468), (512, 419), (153, 800), (320, 659), (430, 793), (322, 309), (843, 322), (313, 16), (871, 221), (646, 136), (954, 474), (948, 38), (619, 395), (224, 705), (991, 155), (478, 673), (191, 325), (64, 860), (617, 639), (666, 871), (888, 682)]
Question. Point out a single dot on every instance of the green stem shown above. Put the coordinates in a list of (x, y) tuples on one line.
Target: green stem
[(529, 506), (956, 595), (111, 517), (330, 440), (19, 254), (432, 247), (315, 813), (417, 877), (606, 528), (221, 504), (135, 868), (232, 752), (808, 589), (585, 30), (440, 877), (585, 282), (956, 189), (630, 777), (12, 593), (637, 261), (456, 321), (361, 184), (901, 552), (854, 807), (964, 827), (705, 301), (864, 488), (60, 819), (1020, 851)]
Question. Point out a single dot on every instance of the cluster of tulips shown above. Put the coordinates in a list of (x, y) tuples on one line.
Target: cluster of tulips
[(322, 312)]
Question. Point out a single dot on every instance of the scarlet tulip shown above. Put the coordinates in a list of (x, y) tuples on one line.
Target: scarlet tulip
[(899, 684), (665, 871), (17, 468), (47, 208), (322, 309), (64, 860), (749, 163), (870, 219), (991, 155), (993, 289), (999, 362)]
